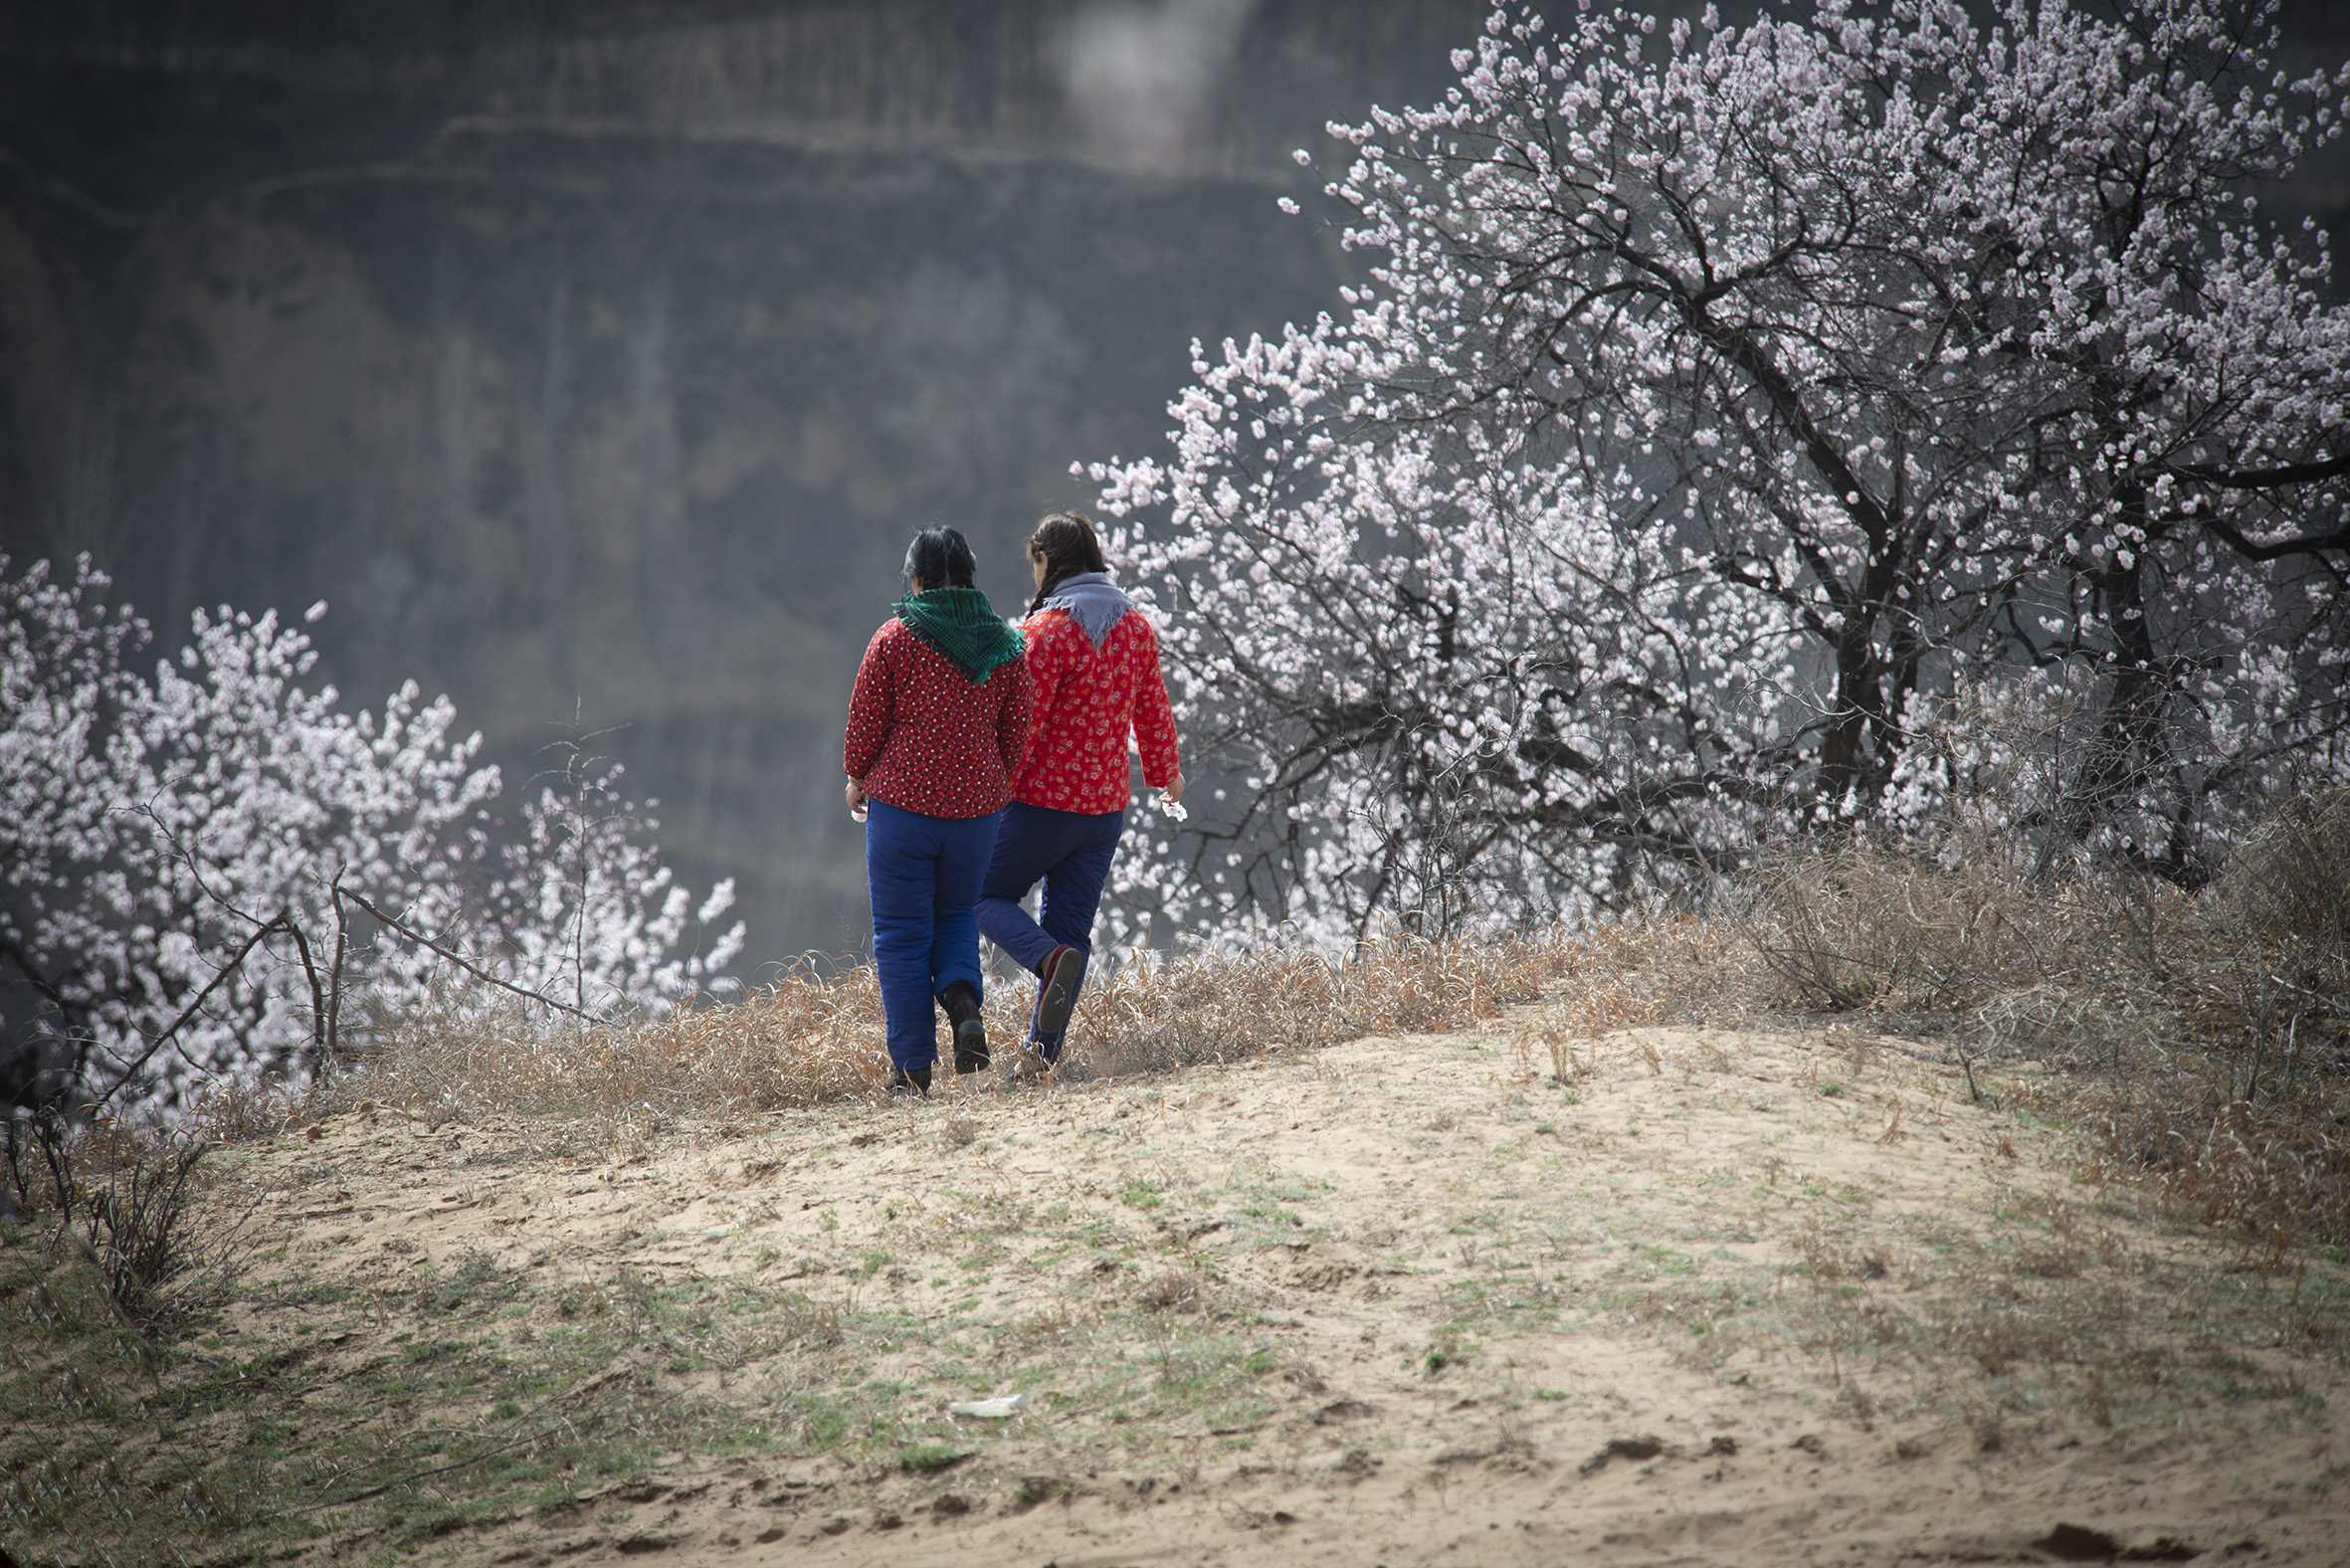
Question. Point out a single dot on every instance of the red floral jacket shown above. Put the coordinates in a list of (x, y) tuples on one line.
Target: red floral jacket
[(924, 738), (1086, 702)]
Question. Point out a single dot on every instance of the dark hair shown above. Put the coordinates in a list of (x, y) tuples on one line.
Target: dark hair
[(941, 557), (1065, 543)]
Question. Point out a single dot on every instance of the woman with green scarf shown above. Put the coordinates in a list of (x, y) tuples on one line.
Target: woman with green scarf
[(937, 723)]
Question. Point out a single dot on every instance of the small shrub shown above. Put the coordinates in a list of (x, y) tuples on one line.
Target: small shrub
[(140, 1225), (2291, 878), (929, 1459), (476, 1281), (239, 1110), (128, 1195), (2208, 1030)]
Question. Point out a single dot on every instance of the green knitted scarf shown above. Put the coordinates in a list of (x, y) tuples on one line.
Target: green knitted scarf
[(963, 626)]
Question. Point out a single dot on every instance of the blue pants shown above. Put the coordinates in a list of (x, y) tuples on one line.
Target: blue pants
[(923, 873), (1071, 852)]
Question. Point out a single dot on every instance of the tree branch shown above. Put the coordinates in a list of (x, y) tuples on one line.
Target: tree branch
[(2267, 479), (225, 970), (2339, 540), (458, 959)]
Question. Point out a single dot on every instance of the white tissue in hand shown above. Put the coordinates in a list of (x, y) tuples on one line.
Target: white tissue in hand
[(1174, 809)]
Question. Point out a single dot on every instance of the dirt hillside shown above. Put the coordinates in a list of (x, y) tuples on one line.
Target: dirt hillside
[(1719, 1297)]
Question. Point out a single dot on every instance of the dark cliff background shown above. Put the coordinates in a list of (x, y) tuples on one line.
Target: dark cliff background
[(594, 359)]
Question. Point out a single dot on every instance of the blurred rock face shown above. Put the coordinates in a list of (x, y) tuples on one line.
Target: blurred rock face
[(596, 371), (1142, 79)]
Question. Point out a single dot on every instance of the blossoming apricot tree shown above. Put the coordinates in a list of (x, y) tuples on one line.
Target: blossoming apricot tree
[(171, 852), (1722, 401)]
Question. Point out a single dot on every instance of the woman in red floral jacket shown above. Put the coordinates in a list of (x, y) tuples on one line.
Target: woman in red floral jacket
[(937, 724), (1094, 663)]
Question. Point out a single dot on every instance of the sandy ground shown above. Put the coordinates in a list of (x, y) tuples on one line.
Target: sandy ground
[(1719, 1298)]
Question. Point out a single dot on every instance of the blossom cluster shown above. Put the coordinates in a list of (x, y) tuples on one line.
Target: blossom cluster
[(155, 828), (1724, 404)]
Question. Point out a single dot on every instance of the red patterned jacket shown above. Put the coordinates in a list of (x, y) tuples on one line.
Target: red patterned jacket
[(1087, 701), (924, 738)]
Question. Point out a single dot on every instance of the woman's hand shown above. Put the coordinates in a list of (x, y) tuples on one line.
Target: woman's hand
[(856, 795), (1173, 791)]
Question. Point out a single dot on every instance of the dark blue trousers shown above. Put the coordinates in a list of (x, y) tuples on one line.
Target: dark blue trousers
[(923, 873), (1070, 852)]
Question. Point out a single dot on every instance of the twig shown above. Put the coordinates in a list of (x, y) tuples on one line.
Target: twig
[(310, 971), (458, 959), (195, 861), (2252, 1086), (202, 996), (335, 977)]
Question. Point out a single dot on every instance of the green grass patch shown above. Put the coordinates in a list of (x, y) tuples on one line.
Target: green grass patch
[(928, 1458)]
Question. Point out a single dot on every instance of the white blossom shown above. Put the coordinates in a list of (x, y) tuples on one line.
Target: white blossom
[(149, 826), (1715, 409)]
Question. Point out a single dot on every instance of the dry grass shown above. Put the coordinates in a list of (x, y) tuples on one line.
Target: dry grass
[(1979, 934), (1206, 1008), (2207, 1032), (126, 1197), (811, 1038)]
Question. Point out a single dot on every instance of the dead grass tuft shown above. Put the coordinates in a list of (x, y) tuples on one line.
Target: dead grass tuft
[(1851, 927), (812, 1036), (1185, 1290), (1198, 1008), (240, 1109), (126, 1196), (2207, 1031), (806, 1038), (1054, 1328), (2289, 883), (2278, 1172)]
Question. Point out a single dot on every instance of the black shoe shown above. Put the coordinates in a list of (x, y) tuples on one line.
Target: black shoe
[(1057, 995), (962, 1010), (915, 1082)]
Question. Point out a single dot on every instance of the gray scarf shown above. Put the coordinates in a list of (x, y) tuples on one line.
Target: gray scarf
[(1092, 601)]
